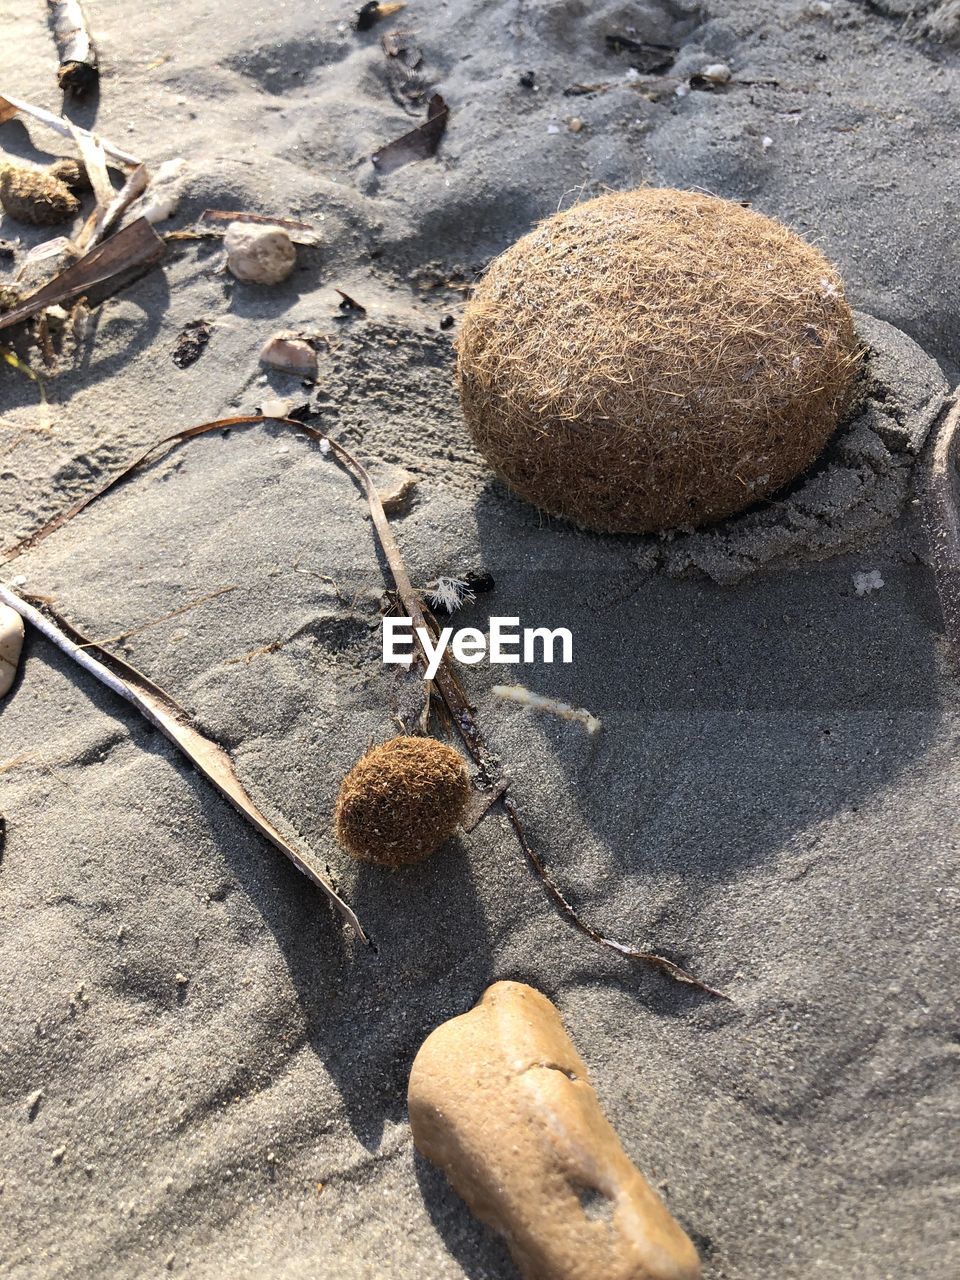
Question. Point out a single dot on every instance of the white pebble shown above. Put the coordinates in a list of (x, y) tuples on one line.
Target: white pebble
[(259, 254), (867, 582)]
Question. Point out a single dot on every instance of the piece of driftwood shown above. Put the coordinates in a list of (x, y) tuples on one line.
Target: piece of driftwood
[(10, 107), (79, 70), (169, 717), (455, 700), (137, 245)]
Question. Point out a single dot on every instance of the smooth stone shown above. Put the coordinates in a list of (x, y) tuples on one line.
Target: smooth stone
[(11, 643), (257, 253), (500, 1100)]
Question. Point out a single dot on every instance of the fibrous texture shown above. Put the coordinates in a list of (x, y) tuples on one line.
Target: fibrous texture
[(72, 173), (34, 197), (655, 359), (401, 801)]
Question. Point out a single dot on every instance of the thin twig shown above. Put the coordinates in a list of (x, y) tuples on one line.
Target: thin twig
[(451, 691), (155, 622)]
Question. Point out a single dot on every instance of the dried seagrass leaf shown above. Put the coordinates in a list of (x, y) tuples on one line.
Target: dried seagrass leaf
[(942, 518), (162, 711), (299, 232), (419, 144), (137, 245)]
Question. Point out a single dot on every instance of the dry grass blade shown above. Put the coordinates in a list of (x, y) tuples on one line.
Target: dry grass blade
[(10, 107), (454, 698), (942, 514), (95, 163), (300, 232), (162, 711), (131, 190), (137, 245)]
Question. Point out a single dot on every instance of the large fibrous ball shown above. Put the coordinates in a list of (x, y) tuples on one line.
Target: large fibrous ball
[(655, 359), (401, 801)]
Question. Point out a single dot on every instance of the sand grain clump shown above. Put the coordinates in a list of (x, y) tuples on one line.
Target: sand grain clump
[(655, 359)]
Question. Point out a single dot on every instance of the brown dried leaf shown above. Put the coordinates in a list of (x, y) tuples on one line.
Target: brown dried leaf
[(419, 144), (137, 245)]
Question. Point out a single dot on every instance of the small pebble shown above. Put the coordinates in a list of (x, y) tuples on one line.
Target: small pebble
[(259, 254), (864, 583), (396, 490), (575, 124)]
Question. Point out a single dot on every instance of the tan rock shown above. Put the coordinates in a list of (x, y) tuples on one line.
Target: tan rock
[(395, 486), (500, 1100), (11, 642), (258, 253), (290, 353)]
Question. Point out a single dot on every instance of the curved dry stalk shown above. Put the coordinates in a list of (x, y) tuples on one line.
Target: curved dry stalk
[(451, 691), (155, 705)]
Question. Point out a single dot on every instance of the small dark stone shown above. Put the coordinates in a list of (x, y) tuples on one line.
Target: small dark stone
[(446, 322), (191, 344), (528, 80), (367, 15), (480, 581)]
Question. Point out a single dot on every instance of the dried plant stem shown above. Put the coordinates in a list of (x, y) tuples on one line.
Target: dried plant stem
[(156, 706), (155, 622), (942, 517), (454, 698), (10, 106), (79, 68)]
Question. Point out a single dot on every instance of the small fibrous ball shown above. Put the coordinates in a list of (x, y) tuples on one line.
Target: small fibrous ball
[(34, 197), (401, 801), (259, 254), (655, 359), (72, 173)]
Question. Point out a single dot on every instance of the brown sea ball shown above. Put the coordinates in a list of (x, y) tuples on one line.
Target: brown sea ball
[(655, 359), (34, 197), (72, 173), (401, 801)]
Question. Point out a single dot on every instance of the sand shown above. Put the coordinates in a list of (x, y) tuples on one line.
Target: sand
[(200, 1075)]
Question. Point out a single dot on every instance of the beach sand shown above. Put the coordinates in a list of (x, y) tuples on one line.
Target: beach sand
[(200, 1073)]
